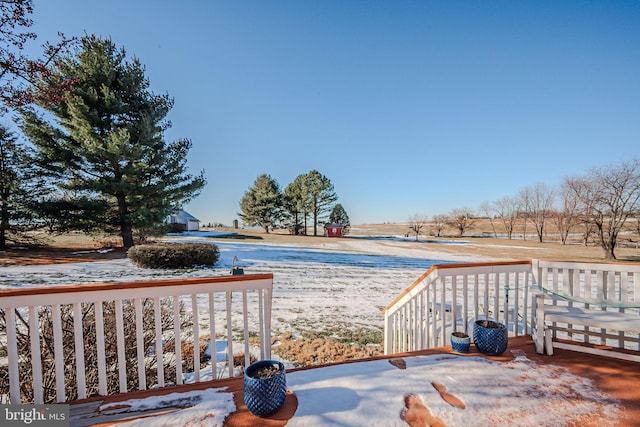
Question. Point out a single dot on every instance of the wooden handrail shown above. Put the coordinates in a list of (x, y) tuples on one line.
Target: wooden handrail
[(90, 287)]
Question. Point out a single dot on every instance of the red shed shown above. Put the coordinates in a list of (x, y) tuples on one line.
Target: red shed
[(332, 230)]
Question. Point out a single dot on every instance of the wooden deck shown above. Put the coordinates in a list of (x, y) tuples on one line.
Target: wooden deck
[(614, 377)]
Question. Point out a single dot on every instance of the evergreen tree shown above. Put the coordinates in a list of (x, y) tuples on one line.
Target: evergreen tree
[(339, 216), (321, 195), (105, 146), (296, 204), (261, 204), (18, 190)]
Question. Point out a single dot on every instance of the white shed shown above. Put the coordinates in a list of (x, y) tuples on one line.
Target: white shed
[(183, 221)]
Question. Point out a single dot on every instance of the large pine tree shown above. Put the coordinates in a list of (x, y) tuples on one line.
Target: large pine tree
[(261, 204), (322, 197), (296, 205), (104, 144)]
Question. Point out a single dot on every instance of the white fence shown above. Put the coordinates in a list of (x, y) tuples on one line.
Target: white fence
[(449, 298), (100, 331)]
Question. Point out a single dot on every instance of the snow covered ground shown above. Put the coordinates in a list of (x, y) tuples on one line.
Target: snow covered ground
[(336, 284), (490, 393)]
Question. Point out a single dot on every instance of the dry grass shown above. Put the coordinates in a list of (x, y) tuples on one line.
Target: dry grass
[(479, 242), (318, 351), (65, 248)]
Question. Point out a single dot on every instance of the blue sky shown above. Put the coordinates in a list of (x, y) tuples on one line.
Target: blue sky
[(407, 107)]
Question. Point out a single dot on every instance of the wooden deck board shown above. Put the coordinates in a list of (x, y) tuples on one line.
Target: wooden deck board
[(614, 377)]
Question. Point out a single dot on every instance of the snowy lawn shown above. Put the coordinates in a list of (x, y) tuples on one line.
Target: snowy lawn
[(458, 390), (325, 288), (517, 393)]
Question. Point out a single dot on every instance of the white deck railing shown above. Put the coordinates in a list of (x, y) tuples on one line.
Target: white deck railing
[(595, 286), (132, 313), (450, 297)]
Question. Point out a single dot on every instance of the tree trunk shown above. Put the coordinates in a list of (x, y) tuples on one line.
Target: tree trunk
[(493, 227), (126, 230), (315, 222), (127, 235), (609, 253)]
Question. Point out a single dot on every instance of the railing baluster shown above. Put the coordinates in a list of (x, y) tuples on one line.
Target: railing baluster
[(413, 330), (245, 314), (454, 306), (267, 319), (476, 296), (142, 377), (12, 353), (263, 340), (229, 336), (157, 314), (212, 337), (496, 293), (36, 364), (419, 331), (79, 350), (122, 363), (427, 318), (196, 337), (465, 303), (177, 338), (58, 352), (100, 351)]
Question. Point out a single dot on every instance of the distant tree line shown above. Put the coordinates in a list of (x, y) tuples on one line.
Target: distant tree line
[(597, 205), (310, 196), (95, 159)]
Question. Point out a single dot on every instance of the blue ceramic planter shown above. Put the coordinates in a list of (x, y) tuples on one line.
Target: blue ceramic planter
[(264, 396), (490, 339), (460, 342)]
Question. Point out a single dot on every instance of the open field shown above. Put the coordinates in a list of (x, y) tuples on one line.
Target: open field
[(77, 247)]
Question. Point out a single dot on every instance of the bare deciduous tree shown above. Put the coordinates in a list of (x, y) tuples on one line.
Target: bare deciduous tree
[(18, 72), (567, 216), (462, 219), (538, 203), (507, 210), (416, 223), (439, 222), (488, 210), (608, 197)]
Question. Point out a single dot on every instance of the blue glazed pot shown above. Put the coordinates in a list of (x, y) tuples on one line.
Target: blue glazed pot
[(492, 339), (264, 396), (460, 342)]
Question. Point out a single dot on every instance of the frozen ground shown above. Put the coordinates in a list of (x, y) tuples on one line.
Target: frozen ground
[(336, 284)]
